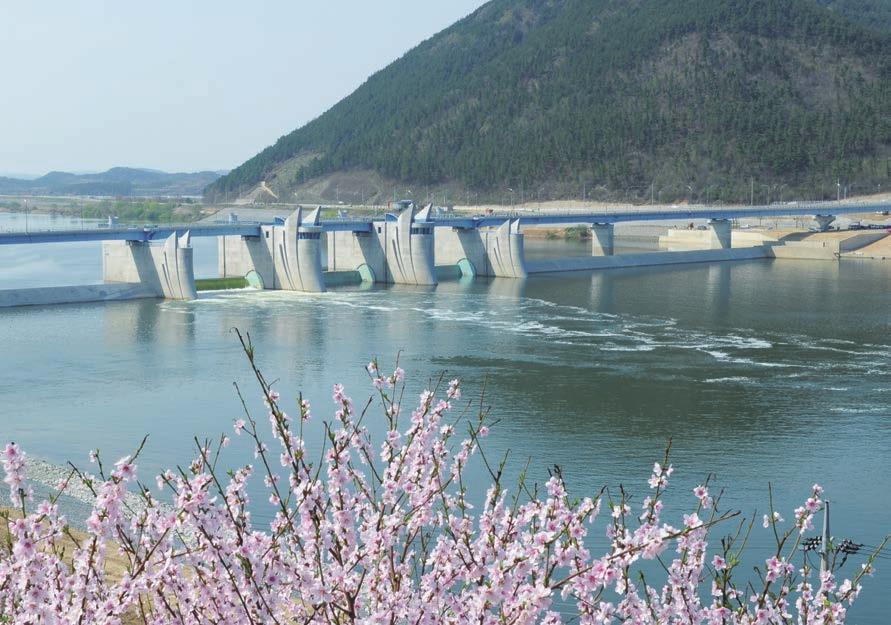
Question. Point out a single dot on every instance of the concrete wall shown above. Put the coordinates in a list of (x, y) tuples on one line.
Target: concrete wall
[(685, 240), (240, 255), (454, 245), (285, 257), (493, 252), (584, 263), (717, 235), (74, 294), (395, 252), (348, 251), (805, 250), (342, 278), (746, 238)]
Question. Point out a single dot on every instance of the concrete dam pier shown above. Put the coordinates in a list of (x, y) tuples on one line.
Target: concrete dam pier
[(165, 270), (303, 253), (286, 257)]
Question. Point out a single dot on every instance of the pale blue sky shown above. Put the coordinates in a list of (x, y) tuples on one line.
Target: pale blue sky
[(184, 85)]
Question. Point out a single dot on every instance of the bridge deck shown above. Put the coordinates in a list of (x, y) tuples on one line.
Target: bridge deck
[(158, 233)]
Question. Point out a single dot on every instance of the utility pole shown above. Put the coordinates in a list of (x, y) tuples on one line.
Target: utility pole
[(824, 547), (838, 189), (652, 193), (752, 180)]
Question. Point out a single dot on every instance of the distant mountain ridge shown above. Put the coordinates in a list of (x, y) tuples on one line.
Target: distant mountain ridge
[(566, 95), (117, 181)]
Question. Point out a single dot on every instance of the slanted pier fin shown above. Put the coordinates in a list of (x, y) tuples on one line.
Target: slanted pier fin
[(504, 250), (309, 253), (602, 238), (298, 254), (409, 248), (722, 233)]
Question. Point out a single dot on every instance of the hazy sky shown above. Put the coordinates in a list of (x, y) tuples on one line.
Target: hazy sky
[(183, 85)]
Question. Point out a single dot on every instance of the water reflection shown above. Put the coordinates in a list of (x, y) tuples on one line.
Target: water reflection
[(718, 282)]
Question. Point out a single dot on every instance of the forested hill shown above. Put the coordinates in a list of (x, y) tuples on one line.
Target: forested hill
[(614, 94)]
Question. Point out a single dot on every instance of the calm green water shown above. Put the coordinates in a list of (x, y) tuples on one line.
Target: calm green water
[(759, 371)]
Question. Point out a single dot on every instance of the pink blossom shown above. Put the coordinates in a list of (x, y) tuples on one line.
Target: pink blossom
[(386, 532)]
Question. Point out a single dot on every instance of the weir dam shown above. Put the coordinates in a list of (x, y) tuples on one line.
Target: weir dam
[(410, 247)]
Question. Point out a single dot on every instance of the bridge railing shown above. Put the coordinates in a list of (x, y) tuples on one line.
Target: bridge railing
[(29, 232)]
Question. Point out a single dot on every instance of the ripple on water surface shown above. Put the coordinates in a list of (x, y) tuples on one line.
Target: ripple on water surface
[(760, 372)]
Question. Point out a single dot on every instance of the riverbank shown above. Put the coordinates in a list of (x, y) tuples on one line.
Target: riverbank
[(140, 210), (115, 565)]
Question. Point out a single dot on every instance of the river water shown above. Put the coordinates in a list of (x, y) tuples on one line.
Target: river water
[(759, 371)]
